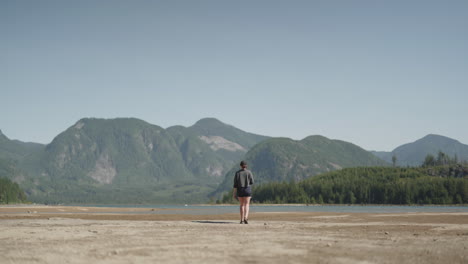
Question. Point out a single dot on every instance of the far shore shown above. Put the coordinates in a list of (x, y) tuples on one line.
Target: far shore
[(222, 204)]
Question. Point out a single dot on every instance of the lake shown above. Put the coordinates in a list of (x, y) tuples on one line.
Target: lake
[(223, 209)]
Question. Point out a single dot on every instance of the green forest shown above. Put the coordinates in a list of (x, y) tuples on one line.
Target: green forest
[(435, 184), (10, 192)]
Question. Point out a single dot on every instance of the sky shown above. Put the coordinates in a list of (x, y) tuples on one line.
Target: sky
[(375, 73)]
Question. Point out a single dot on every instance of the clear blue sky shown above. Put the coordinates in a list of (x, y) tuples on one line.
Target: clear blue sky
[(375, 73)]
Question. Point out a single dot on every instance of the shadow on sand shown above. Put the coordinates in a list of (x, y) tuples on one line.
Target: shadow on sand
[(212, 222)]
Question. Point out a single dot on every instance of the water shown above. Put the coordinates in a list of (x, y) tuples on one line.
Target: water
[(223, 209)]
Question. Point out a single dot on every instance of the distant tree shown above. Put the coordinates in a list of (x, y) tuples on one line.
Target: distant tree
[(312, 200), (442, 158), (10, 192), (429, 161), (394, 160), (351, 197), (320, 199)]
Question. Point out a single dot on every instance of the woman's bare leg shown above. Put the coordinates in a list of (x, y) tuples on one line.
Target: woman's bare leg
[(246, 207), (242, 207)]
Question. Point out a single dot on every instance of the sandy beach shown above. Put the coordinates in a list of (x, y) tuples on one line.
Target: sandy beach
[(64, 234)]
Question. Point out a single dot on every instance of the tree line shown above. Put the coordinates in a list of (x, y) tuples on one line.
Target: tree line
[(10, 192), (442, 159), (444, 184)]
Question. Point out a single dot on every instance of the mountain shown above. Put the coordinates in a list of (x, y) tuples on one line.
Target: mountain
[(413, 154), (9, 169), (127, 160), (212, 147), (213, 128), (114, 151), (15, 149), (14, 155), (284, 159)]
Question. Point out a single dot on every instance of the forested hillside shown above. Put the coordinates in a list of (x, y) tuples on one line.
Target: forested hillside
[(284, 159), (10, 192), (372, 185), (127, 160)]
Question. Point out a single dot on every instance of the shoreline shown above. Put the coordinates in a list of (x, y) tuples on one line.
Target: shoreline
[(191, 214), (383, 205), (155, 212), (208, 204)]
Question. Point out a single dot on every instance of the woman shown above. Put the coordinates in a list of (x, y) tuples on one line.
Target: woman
[(242, 190)]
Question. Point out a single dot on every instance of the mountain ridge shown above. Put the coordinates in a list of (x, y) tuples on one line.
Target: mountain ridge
[(128, 159), (285, 159), (414, 153), (95, 157)]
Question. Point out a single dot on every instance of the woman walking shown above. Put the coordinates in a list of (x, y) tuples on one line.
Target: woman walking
[(242, 190)]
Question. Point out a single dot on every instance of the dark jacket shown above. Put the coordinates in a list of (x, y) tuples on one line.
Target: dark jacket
[(243, 178)]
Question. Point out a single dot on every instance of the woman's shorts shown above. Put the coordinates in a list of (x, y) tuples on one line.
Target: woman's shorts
[(244, 192)]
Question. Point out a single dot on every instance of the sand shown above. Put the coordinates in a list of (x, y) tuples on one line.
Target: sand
[(46, 234)]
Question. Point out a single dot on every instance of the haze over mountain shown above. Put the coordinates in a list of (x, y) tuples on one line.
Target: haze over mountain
[(413, 154)]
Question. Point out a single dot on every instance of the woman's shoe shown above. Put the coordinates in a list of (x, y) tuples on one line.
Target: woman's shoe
[(245, 221), (241, 222)]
